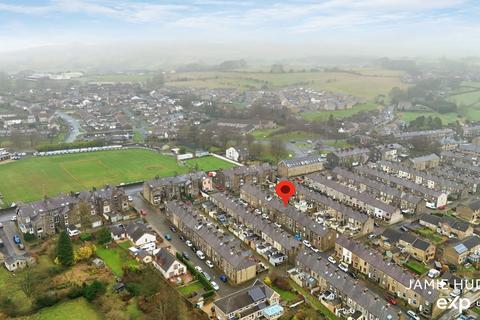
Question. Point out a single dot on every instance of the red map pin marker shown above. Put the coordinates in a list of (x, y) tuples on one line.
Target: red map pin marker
[(285, 190)]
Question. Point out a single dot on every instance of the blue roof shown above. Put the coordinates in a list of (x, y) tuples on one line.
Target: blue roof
[(273, 310), (460, 248)]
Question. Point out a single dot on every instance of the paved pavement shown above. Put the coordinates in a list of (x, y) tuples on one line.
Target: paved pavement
[(161, 225)]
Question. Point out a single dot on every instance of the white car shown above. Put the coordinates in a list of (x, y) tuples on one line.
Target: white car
[(433, 273), (257, 211), (200, 255), (189, 243), (268, 198), (332, 260), (413, 315), (306, 243), (209, 263), (343, 266), (314, 249), (215, 286), (13, 218), (130, 199), (198, 268)]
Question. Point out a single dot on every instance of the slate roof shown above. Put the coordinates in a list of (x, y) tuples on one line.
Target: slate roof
[(375, 259), (164, 259), (454, 223), (343, 283), (302, 161), (37, 208), (244, 298), (181, 179), (136, 230), (394, 236)]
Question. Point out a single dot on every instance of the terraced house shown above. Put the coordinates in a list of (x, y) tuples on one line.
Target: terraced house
[(111, 203), (281, 241), (315, 272), (447, 226), (48, 216), (224, 250), (409, 244), (290, 218), (388, 275), (160, 190), (406, 201), (344, 215), (233, 179), (361, 201)]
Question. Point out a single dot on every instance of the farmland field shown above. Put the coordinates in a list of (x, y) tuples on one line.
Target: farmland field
[(365, 84), (445, 117), (29, 179)]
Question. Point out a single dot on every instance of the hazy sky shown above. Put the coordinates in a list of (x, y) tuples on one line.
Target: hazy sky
[(402, 27)]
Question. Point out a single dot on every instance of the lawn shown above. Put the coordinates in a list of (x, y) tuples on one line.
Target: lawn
[(338, 114), (116, 258), (416, 267), (31, 178), (337, 143), (195, 286), (287, 296), (365, 84), (78, 309)]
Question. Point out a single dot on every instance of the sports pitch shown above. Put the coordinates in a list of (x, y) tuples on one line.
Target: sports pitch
[(32, 178)]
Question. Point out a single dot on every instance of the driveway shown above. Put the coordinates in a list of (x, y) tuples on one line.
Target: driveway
[(161, 225)]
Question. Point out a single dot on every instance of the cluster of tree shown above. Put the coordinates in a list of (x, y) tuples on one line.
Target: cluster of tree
[(427, 93), (423, 145), (156, 82), (425, 123)]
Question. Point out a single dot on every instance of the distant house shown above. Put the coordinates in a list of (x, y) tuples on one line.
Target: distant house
[(256, 302), (424, 162), (458, 252), (469, 212), (416, 247), (237, 154), (448, 226), (16, 262), (168, 265), (349, 157), (140, 235)]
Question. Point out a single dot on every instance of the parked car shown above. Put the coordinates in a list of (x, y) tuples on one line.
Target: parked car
[(268, 198), (168, 237), (198, 268), (306, 243), (1, 225), (404, 229), (207, 276), (200, 255), (353, 275), (173, 229), (181, 237), (215, 286), (433, 273), (16, 239), (209, 263), (143, 212), (130, 199), (343, 266), (223, 278), (21, 246), (390, 299), (189, 243), (185, 255), (13, 218), (455, 293), (332, 259), (413, 315)]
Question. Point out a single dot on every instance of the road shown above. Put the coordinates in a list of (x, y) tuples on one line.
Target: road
[(6, 234), (73, 126), (160, 224)]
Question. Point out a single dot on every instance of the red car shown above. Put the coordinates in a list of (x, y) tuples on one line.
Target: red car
[(390, 299), (143, 212)]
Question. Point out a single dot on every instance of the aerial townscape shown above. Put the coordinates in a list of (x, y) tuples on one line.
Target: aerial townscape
[(221, 160)]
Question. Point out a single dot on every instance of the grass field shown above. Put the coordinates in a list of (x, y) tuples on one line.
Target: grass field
[(366, 84), (78, 309), (116, 258), (338, 114), (264, 134), (29, 179), (445, 117), (117, 77), (195, 286)]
